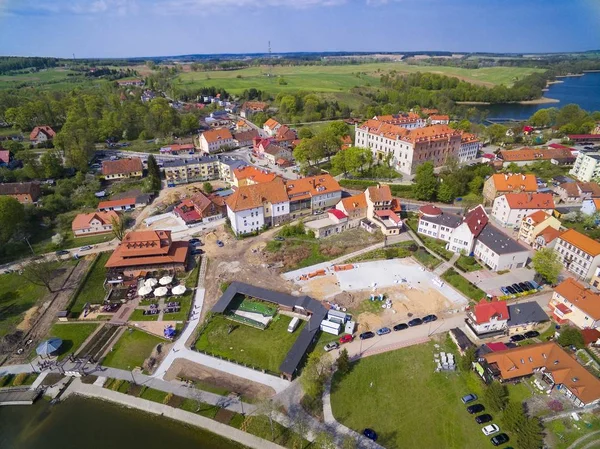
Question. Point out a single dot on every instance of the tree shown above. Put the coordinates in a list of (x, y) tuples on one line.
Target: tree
[(12, 216), (154, 174), (339, 163), (52, 164), (546, 262), (324, 440), (314, 374), (343, 362), (357, 158), (207, 187), (571, 336), (305, 133), (527, 430), (57, 239), (118, 227), (425, 182), (466, 361), (496, 132), (496, 396), (445, 193), (40, 272), (338, 128)]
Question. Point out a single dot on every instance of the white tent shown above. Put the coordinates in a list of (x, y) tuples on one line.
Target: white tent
[(178, 290), (165, 280), (150, 282), (160, 291), (144, 291)]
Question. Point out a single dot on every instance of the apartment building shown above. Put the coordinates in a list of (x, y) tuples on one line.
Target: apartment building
[(578, 253), (312, 194), (511, 208), (488, 318), (576, 303), (586, 167), (502, 183), (498, 251), (216, 140), (470, 146), (534, 224), (184, 171), (249, 174)]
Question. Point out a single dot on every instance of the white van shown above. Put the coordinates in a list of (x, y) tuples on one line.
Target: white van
[(293, 324)]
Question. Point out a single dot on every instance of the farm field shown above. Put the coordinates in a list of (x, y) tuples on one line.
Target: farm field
[(50, 79)]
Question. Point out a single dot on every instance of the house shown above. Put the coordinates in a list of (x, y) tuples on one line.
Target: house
[(124, 204), (184, 171), (590, 206), (355, 207), (247, 175), (250, 108), (41, 134), (576, 303), (177, 149), (93, 223), (198, 209), (524, 156), (252, 207), (546, 361), (533, 225), (382, 208), (511, 208), (336, 222), (502, 183), (273, 153), (141, 252), (271, 126), (498, 251), (217, 139), (576, 192), (241, 126), (123, 168), (312, 194), (285, 136), (525, 316), (23, 192), (587, 166), (245, 138), (546, 238), (487, 319), (438, 119), (227, 165), (578, 253)]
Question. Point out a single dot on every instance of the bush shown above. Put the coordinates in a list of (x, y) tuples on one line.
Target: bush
[(168, 398), (19, 379)]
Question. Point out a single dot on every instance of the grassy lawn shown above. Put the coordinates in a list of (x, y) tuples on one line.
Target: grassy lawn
[(397, 251), (264, 349), (92, 290), (46, 245), (131, 350), (452, 277), (561, 433), (468, 264), (138, 315), (48, 79), (408, 404), (153, 395), (72, 334), (16, 297), (426, 258), (261, 427)]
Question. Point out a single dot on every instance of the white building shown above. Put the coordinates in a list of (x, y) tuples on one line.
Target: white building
[(586, 167), (511, 208), (488, 318), (576, 303), (578, 253), (271, 126), (470, 146), (498, 251), (407, 120), (437, 119), (215, 140)]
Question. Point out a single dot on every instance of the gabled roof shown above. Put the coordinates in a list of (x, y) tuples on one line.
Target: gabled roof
[(82, 221), (217, 134), (245, 135), (42, 129), (255, 106), (337, 214), (273, 149), (272, 123), (581, 241), (549, 234), (354, 202), (499, 242), (284, 133), (514, 182), (380, 193), (531, 154), (254, 174), (529, 200), (580, 296), (311, 186), (19, 188), (439, 117), (117, 203), (485, 311), (538, 217), (122, 166), (255, 195), (476, 219), (398, 119)]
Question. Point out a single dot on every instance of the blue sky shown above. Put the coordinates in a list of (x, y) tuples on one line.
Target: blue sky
[(119, 28)]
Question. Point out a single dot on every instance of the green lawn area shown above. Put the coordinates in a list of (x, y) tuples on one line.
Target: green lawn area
[(72, 334), (408, 404), (49, 79), (452, 277), (564, 432), (468, 264), (261, 427), (264, 349), (435, 245), (92, 289), (131, 350), (153, 395), (138, 315), (397, 251), (46, 245), (16, 297), (429, 261)]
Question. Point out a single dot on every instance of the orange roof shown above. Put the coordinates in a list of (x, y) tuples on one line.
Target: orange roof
[(272, 123), (484, 311), (564, 369), (311, 186), (529, 200), (42, 129), (581, 241), (255, 105), (122, 166), (354, 202), (381, 193), (597, 203), (82, 221), (255, 195), (538, 216), (396, 132), (253, 174), (531, 154), (284, 133), (514, 182), (549, 234), (398, 119), (580, 296), (439, 117), (217, 134), (177, 253), (116, 203), (468, 138)]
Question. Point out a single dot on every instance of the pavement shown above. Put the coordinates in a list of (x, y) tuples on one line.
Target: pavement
[(491, 282)]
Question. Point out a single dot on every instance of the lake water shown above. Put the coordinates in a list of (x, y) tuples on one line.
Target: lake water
[(92, 424), (581, 90)]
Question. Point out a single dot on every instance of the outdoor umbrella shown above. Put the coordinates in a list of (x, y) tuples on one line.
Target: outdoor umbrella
[(144, 291), (161, 291), (178, 290), (49, 347), (150, 282), (165, 280)]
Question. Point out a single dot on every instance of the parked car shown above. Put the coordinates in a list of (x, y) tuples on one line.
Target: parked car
[(429, 318), (530, 285), (469, 398), (366, 335), (499, 439), (415, 322), (504, 290), (517, 288), (220, 244), (531, 334), (62, 252), (85, 248), (370, 434), (383, 331), (511, 290), (516, 338), (482, 419), (346, 338), (400, 327), (490, 430), (524, 286), (197, 252), (475, 408), (331, 346), (194, 241)]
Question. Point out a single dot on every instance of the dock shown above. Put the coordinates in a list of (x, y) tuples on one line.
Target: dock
[(18, 396)]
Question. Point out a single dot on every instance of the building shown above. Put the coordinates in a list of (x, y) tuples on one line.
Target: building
[(141, 252), (198, 209), (313, 194), (133, 82), (249, 174), (503, 183), (336, 222), (470, 146), (274, 153), (590, 206), (547, 238), (547, 362), (355, 207), (577, 192), (498, 251), (578, 253), (576, 303), (94, 223), (215, 140), (595, 281), (252, 207), (511, 208), (533, 225), (487, 319), (382, 208), (438, 119), (285, 136), (587, 167), (23, 192), (123, 168), (525, 316), (245, 138), (124, 204), (184, 171), (271, 126), (524, 156), (41, 134), (250, 108), (407, 120), (227, 165), (177, 149)]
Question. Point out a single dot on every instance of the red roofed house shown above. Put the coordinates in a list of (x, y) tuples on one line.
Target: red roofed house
[(271, 126), (41, 134), (117, 205), (215, 140), (123, 168), (274, 152), (576, 303), (511, 208), (285, 136), (186, 148), (381, 209), (488, 318), (437, 119), (198, 209), (336, 222), (94, 223)]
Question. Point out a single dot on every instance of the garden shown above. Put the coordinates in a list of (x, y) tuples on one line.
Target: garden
[(467, 264)]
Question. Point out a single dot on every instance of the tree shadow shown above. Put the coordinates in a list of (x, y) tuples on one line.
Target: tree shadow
[(8, 296)]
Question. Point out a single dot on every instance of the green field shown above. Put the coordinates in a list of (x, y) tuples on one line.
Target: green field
[(49, 79), (92, 290), (72, 335), (131, 350), (264, 349)]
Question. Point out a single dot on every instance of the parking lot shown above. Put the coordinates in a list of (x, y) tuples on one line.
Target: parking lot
[(491, 282)]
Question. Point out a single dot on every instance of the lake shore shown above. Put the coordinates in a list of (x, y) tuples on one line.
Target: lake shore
[(541, 100)]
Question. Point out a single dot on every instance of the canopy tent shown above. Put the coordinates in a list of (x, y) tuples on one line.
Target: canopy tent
[(49, 347), (160, 291), (144, 291), (169, 332), (165, 280), (178, 290), (151, 282)]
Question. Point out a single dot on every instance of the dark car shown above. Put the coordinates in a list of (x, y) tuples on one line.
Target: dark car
[(499, 439), (482, 419), (383, 331), (531, 334), (504, 290), (194, 241), (469, 398), (400, 327), (517, 288), (529, 285), (415, 322), (62, 252), (197, 252), (516, 338), (475, 408), (524, 286), (366, 335), (370, 434), (429, 318), (511, 290)]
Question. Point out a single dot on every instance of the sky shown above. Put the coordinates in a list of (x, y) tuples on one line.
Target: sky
[(142, 28)]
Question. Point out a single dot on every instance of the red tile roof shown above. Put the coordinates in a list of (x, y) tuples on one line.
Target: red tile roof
[(514, 182), (272, 123), (116, 203), (497, 346), (380, 194), (581, 241), (42, 129), (431, 210), (255, 195), (476, 220), (530, 200), (82, 221), (337, 214), (217, 134), (580, 296), (484, 311), (531, 154), (253, 174), (122, 166)]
